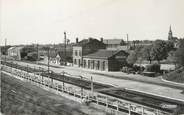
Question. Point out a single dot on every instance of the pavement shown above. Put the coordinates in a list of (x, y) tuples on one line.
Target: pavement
[(120, 75), (111, 78)]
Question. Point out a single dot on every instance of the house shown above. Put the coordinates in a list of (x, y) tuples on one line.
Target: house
[(115, 44), (15, 52), (54, 57), (85, 47), (58, 57), (105, 60)]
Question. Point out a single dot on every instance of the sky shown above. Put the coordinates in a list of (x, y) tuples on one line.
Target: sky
[(44, 21)]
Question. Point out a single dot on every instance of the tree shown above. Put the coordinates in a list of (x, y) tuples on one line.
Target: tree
[(179, 54), (171, 57), (132, 58), (170, 46), (32, 56), (146, 53), (122, 43), (159, 50), (4, 50), (26, 50)]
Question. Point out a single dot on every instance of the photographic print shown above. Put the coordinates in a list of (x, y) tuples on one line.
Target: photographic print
[(92, 57)]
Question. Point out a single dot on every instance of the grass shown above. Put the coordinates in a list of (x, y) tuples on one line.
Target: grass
[(21, 98), (176, 76)]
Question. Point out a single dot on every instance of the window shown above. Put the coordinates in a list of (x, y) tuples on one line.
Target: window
[(93, 64), (84, 63), (103, 65), (98, 65), (88, 63), (80, 53), (79, 63), (75, 52), (75, 61)]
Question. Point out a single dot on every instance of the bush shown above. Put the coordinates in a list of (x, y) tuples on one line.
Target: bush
[(32, 56), (153, 68), (138, 68), (132, 69), (176, 76)]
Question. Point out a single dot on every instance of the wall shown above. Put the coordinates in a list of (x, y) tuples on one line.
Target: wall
[(77, 56), (98, 64)]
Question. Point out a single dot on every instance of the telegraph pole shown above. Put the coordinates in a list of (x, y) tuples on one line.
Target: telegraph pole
[(5, 48), (65, 48), (127, 42), (37, 53), (92, 86), (48, 55)]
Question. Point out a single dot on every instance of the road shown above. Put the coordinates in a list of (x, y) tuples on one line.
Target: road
[(120, 83)]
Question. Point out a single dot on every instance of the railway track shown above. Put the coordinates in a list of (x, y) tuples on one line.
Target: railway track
[(136, 97), (18, 92)]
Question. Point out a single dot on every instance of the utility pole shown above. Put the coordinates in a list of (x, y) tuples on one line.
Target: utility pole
[(5, 49), (37, 53), (127, 42), (92, 86), (48, 59), (81, 88), (65, 48)]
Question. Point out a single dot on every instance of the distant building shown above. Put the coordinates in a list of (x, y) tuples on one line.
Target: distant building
[(115, 44), (85, 47), (54, 57), (139, 43), (170, 36), (175, 40), (15, 52), (105, 60)]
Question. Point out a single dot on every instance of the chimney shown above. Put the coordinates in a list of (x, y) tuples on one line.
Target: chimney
[(89, 39), (101, 39), (77, 40)]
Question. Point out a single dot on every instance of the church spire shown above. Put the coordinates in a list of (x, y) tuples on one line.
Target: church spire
[(170, 33)]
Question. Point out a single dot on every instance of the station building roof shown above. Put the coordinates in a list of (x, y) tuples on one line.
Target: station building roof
[(103, 54)]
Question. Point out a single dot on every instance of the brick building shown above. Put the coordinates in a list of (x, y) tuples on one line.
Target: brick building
[(85, 47), (105, 60)]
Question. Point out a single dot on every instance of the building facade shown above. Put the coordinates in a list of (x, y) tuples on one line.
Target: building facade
[(55, 59), (170, 36), (15, 52), (85, 47), (105, 60), (115, 44)]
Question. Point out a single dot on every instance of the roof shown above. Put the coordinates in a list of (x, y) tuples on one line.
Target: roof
[(18, 47), (167, 67), (125, 48), (112, 41), (87, 41), (104, 54), (11, 48)]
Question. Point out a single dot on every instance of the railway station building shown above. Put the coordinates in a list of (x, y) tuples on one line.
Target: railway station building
[(105, 60)]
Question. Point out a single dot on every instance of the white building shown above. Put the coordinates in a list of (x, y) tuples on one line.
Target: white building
[(15, 52)]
